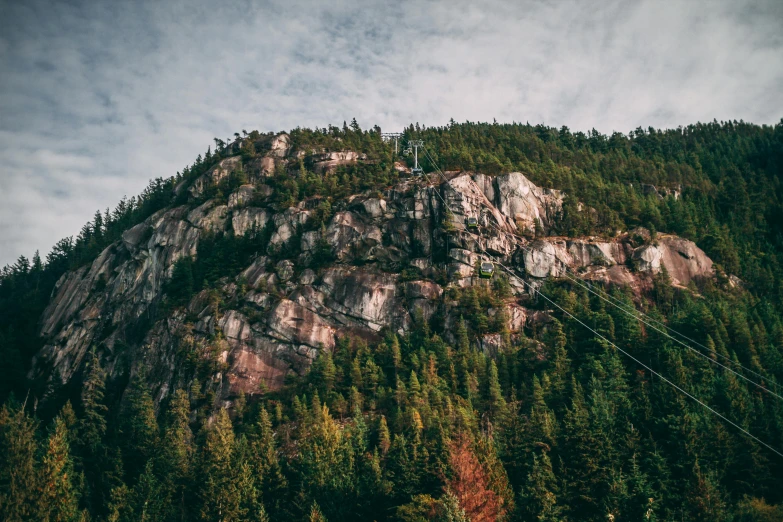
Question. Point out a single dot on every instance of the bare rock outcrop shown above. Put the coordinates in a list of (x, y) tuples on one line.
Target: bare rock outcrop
[(249, 218), (241, 196), (331, 160), (293, 323), (684, 261), (287, 225), (113, 293), (272, 318), (352, 238), (209, 216), (215, 174), (522, 201)]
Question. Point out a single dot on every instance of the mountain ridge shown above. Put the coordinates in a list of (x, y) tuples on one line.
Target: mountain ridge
[(401, 227)]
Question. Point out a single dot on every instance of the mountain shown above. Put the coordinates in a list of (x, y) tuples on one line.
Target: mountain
[(567, 326)]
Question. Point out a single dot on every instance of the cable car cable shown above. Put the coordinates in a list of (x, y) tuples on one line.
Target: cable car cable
[(651, 370), (636, 314)]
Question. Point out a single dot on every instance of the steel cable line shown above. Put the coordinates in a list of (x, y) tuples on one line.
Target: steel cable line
[(651, 370), (643, 365), (641, 316)]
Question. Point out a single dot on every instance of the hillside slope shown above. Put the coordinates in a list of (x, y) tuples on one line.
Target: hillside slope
[(273, 317), (295, 328)]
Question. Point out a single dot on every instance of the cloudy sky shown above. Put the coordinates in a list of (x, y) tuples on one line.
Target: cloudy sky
[(98, 97)]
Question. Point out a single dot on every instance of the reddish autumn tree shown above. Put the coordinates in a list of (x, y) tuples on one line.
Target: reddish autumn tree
[(470, 483)]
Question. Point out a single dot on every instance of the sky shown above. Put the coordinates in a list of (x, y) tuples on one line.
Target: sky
[(97, 98)]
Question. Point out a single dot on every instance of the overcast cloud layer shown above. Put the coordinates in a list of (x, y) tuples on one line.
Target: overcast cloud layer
[(96, 97)]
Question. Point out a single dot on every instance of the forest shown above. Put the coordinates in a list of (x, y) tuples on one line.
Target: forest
[(558, 425)]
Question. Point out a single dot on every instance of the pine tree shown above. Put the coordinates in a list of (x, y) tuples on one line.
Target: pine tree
[(92, 426), (541, 422), (560, 366), (176, 457), (19, 478), (450, 510), (328, 372), (140, 427), (219, 494), (315, 514), (266, 465), (250, 506), (147, 498), (325, 461), (384, 438), (496, 404), (539, 498), (58, 499), (91, 430)]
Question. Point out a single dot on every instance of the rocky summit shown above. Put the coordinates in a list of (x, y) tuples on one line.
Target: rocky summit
[(393, 254)]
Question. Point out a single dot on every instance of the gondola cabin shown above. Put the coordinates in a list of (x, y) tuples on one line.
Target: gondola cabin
[(472, 223), (486, 270), (416, 172)]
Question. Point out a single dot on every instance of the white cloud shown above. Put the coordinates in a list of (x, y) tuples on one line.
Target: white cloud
[(96, 98)]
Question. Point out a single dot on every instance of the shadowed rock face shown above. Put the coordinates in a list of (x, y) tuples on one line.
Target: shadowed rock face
[(274, 317)]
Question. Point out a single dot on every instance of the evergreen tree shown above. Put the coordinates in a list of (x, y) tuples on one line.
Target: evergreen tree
[(140, 427), (266, 465), (539, 494), (176, 457), (220, 497), (58, 498), (91, 431), (19, 476)]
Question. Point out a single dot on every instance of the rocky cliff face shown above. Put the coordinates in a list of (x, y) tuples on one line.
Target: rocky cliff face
[(272, 319)]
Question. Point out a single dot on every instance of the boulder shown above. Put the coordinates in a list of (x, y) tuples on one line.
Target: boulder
[(241, 196), (249, 218), (374, 207), (684, 261), (423, 290), (209, 216), (256, 272), (588, 252), (215, 174), (523, 202), (287, 224), (307, 277), (262, 167), (546, 258), (280, 145), (648, 258), (285, 270), (331, 160), (310, 240)]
